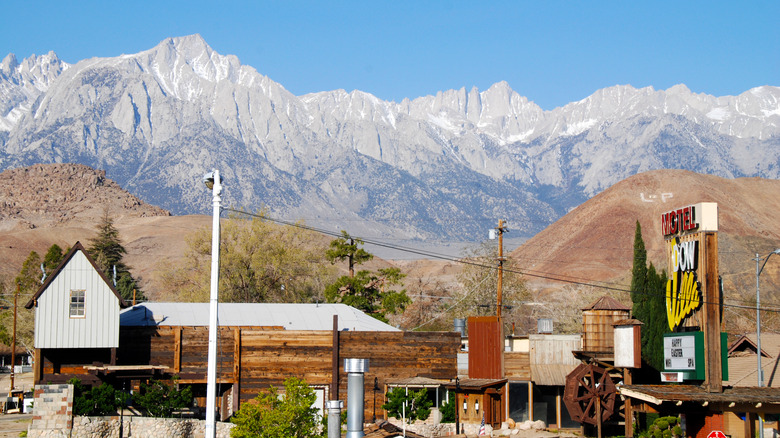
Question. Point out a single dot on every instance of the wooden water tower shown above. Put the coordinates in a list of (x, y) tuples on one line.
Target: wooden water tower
[(598, 329)]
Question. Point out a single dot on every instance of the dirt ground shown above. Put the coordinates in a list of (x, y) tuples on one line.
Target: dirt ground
[(11, 425)]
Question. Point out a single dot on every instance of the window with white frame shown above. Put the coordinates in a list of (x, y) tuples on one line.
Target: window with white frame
[(77, 299)]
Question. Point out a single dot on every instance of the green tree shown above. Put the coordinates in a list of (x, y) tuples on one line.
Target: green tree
[(26, 283), (96, 401), (417, 404), (107, 251), (29, 278), (271, 415), (655, 318), (448, 409), (259, 262), (52, 259), (647, 286), (370, 292), (348, 248), (160, 399), (639, 269)]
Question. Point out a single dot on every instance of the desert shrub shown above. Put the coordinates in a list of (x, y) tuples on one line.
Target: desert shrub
[(160, 399), (96, 401)]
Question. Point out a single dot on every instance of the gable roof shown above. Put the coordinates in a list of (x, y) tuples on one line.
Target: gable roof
[(288, 316), (745, 345), (743, 361), (61, 266), (607, 303)]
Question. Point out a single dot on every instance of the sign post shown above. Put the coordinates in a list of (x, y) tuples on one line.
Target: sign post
[(693, 290)]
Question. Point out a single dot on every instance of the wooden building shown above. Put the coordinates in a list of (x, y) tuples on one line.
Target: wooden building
[(84, 335), (517, 377), (536, 373), (76, 317), (263, 344)]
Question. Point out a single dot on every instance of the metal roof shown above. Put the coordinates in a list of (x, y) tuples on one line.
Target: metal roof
[(417, 382), (286, 315), (607, 303)]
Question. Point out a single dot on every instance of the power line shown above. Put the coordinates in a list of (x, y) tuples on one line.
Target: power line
[(530, 273)]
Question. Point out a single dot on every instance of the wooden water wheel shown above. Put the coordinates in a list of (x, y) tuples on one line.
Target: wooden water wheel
[(587, 387)]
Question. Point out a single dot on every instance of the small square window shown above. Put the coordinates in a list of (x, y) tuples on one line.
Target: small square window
[(77, 298)]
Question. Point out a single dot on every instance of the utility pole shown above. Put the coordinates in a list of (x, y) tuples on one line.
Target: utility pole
[(501, 230), (13, 345)]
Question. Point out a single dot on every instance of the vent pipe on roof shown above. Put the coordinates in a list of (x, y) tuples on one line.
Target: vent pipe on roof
[(334, 418), (460, 326), (355, 368)]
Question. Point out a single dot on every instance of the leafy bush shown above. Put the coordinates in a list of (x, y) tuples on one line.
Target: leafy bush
[(96, 401), (270, 415), (160, 399), (448, 409), (665, 427), (418, 407)]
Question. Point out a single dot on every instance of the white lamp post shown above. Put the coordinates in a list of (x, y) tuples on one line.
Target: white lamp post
[(214, 182), (758, 330)]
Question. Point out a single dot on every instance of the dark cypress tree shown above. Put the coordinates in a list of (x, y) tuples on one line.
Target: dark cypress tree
[(647, 294), (639, 277), (655, 319), (639, 270)]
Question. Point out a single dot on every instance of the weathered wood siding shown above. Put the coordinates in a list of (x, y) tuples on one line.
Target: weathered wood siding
[(598, 332), (255, 358), (60, 365), (517, 365), (98, 328)]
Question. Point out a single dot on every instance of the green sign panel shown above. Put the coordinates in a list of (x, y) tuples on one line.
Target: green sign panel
[(684, 353)]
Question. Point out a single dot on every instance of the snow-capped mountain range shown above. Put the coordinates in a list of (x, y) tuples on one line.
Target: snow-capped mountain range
[(444, 166)]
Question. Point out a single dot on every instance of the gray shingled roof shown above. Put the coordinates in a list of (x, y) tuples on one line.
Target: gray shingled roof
[(289, 316)]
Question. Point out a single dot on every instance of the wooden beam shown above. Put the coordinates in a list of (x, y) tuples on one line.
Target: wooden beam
[(177, 350), (236, 368), (629, 413), (38, 369), (712, 321)]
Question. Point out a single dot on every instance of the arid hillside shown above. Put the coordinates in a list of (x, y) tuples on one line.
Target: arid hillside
[(46, 204), (594, 242)]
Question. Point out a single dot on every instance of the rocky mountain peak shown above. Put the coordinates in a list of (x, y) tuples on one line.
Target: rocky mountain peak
[(9, 64), (156, 120)]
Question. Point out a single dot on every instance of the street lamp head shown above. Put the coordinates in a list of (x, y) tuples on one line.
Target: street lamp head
[(777, 251), (208, 179)]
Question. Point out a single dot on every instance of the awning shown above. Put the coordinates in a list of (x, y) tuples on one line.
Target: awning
[(657, 394)]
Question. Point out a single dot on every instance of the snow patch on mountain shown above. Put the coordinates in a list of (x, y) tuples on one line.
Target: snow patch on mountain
[(437, 165)]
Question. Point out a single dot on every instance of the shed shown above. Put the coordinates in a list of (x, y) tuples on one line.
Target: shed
[(76, 307)]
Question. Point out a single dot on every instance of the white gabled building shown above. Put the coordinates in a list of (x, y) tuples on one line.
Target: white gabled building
[(77, 307)]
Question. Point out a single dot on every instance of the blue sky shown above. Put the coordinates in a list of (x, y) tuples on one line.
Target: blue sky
[(549, 51)]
